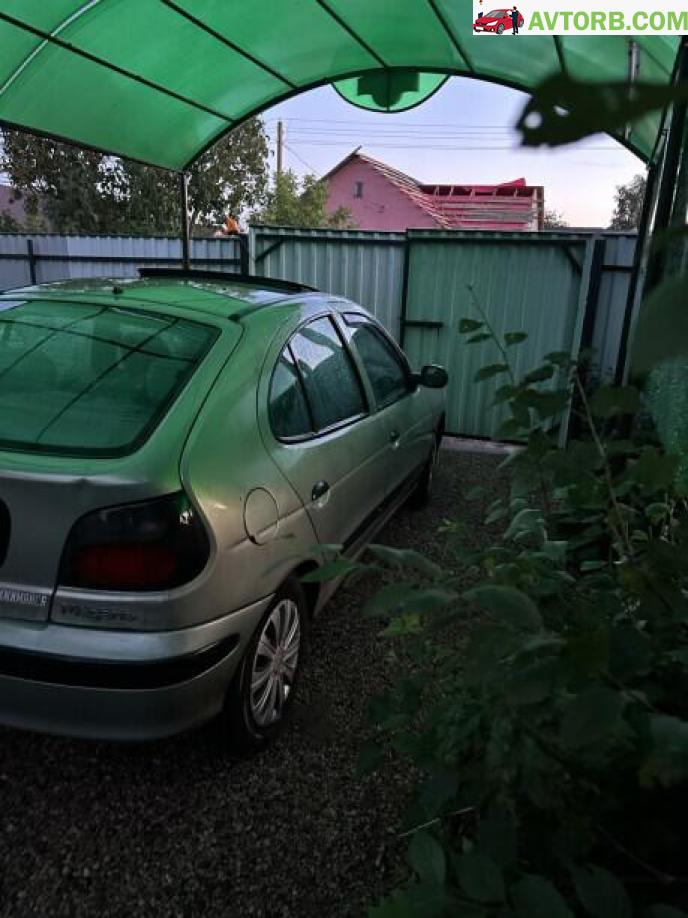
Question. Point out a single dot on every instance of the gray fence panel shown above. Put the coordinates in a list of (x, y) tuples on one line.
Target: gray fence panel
[(526, 283), (364, 267), (66, 257), (611, 300)]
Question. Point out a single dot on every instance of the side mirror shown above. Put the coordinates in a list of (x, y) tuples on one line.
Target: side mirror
[(433, 376)]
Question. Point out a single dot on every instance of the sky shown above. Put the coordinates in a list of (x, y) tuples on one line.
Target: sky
[(463, 134)]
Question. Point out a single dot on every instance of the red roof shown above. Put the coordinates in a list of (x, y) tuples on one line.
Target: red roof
[(509, 205)]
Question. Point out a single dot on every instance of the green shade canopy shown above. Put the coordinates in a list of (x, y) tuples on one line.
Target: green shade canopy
[(390, 90), (161, 80)]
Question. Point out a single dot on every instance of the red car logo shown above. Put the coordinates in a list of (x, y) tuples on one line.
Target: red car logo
[(496, 21)]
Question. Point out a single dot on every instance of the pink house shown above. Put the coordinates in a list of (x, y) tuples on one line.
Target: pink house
[(383, 198)]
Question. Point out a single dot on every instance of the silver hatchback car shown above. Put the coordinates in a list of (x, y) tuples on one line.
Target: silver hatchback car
[(174, 453)]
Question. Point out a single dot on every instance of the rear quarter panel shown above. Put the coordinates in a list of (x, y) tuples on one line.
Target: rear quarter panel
[(225, 460)]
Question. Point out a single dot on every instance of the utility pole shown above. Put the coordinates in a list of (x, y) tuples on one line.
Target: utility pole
[(184, 208), (280, 146)]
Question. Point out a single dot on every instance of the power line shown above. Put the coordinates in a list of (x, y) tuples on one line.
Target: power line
[(299, 157), (386, 145)]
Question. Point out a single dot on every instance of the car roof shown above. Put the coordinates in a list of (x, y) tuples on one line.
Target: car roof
[(194, 294)]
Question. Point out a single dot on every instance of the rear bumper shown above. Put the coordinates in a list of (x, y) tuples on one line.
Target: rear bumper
[(136, 687)]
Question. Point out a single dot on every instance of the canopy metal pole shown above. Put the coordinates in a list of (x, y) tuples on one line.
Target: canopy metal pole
[(184, 203), (670, 170)]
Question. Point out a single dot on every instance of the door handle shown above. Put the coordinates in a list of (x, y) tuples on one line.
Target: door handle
[(394, 436), (320, 489)]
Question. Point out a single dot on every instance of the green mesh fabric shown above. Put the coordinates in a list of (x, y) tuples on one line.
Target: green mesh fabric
[(161, 80)]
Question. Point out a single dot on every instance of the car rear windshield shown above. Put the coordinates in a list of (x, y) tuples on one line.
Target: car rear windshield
[(81, 379)]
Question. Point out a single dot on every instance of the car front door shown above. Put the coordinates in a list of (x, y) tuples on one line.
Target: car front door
[(324, 438), (400, 403)]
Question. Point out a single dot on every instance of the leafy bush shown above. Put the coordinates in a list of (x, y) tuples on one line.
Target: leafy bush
[(556, 746)]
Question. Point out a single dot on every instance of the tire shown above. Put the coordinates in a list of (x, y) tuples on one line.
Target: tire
[(420, 495), (254, 713), (500, 29)]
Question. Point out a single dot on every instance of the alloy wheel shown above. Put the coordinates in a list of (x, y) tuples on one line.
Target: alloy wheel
[(275, 663)]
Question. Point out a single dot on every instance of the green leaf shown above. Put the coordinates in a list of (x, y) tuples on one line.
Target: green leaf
[(588, 566), (406, 558), (540, 375), (426, 899), (547, 404), (512, 427), (370, 757), (600, 893), (480, 878), (559, 111), (469, 325), (406, 623), (389, 600), (476, 339), (504, 393), (536, 897), (656, 512), (508, 604), (555, 551), (654, 471), (429, 600), (534, 682), (591, 717), (665, 911), (668, 760), (439, 788), (611, 400), (426, 857), (476, 493), (527, 520), (512, 338), (497, 837), (559, 358), (492, 369), (495, 516), (630, 652), (662, 330), (331, 570)]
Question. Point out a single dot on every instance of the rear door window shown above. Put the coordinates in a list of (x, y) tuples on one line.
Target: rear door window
[(388, 376), (332, 386), (81, 379), (289, 414)]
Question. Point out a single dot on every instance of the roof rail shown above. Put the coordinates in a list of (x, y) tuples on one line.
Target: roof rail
[(204, 274)]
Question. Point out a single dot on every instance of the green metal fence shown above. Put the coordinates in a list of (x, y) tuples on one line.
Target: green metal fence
[(563, 288)]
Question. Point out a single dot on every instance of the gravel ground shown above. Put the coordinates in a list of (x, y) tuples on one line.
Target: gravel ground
[(176, 829)]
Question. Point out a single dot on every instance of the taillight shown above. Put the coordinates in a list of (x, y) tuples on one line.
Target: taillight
[(152, 545)]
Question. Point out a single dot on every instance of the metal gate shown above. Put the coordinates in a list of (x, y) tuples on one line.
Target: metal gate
[(565, 288), (527, 283)]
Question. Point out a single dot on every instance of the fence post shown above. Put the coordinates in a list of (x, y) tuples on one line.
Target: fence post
[(242, 240), (404, 290), (31, 255)]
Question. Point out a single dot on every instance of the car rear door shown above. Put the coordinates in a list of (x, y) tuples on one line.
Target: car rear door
[(400, 403), (323, 436)]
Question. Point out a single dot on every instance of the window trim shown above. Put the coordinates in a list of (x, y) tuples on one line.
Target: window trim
[(317, 433)]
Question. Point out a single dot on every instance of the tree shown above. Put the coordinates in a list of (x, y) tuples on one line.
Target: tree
[(7, 223), (294, 203), (629, 204), (554, 219), (81, 191)]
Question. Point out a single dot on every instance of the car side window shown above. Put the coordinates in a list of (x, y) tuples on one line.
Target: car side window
[(387, 374), (333, 389), (289, 415)]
